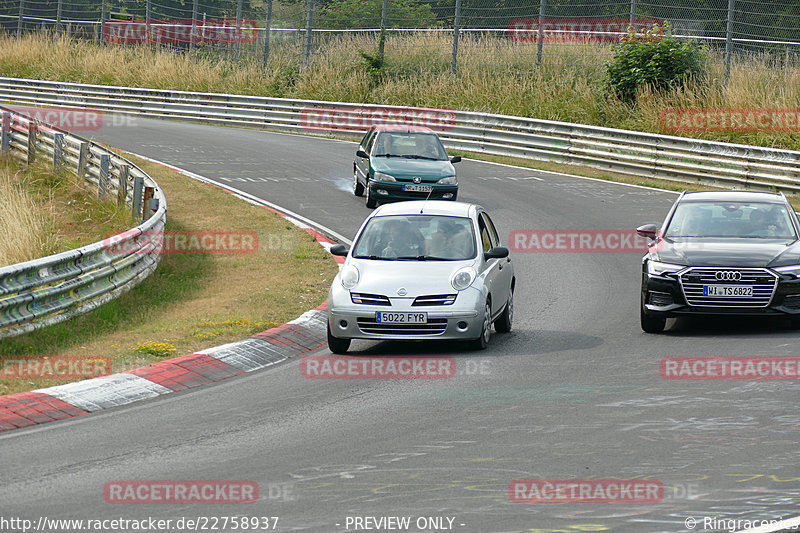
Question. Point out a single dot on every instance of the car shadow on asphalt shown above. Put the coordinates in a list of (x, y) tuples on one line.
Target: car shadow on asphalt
[(734, 325)]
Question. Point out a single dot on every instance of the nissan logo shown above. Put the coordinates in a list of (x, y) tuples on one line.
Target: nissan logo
[(402, 291), (416, 179), (728, 275)]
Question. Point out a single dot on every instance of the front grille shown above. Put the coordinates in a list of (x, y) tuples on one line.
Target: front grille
[(659, 299), (369, 299), (434, 299), (435, 326), (762, 280)]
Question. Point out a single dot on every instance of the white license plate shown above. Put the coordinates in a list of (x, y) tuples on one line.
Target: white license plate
[(727, 290), (385, 317), (410, 187)]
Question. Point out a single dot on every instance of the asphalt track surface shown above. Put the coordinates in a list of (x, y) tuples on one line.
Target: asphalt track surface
[(574, 392)]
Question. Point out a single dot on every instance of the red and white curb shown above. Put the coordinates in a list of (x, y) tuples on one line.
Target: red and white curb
[(303, 334)]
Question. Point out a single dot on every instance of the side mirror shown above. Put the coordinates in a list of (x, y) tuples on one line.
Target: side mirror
[(455, 159), (339, 249), (648, 230), (362, 153), (498, 252)]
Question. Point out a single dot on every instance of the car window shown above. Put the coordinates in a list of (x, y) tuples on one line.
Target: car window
[(730, 219), (416, 237), (413, 145), (492, 231), (486, 239), (368, 140)]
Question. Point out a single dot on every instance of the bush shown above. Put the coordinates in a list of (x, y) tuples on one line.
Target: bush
[(656, 60)]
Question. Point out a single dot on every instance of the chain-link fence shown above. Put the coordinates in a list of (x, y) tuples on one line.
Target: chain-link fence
[(446, 32)]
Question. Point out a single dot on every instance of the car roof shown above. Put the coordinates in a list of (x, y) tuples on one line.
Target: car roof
[(733, 196), (406, 128), (428, 207)]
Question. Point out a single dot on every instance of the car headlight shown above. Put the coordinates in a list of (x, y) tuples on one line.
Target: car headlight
[(793, 270), (380, 176), (349, 277), (657, 268), (463, 278), (449, 180)]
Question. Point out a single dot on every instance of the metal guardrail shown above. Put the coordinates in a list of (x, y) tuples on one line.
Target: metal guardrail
[(45, 291), (641, 154)]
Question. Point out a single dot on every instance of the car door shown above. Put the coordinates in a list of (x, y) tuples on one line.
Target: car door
[(506, 270), (491, 268), (362, 163)]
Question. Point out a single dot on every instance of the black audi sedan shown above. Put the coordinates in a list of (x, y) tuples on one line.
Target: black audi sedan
[(722, 253)]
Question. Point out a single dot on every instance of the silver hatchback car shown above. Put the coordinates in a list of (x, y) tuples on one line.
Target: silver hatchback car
[(422, 270)]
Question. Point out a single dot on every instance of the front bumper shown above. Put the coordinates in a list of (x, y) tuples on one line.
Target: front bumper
[(388, 191), (664, 296), (460, 321)]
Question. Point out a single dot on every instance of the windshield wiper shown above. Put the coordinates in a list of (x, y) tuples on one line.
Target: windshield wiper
[(386, 155), (375, 257), (415, 156), (424, 258)]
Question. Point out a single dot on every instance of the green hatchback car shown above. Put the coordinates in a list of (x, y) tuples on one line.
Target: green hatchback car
[(403, 163)]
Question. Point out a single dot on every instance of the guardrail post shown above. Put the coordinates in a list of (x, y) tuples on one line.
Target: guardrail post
[(83, 159), (58, 152), (6, 132), (102, 182), (136, 204), (148, 195), (456, 25), (31, 142), (122, 190)]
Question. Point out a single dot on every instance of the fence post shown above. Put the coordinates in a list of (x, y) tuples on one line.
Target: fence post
[(147, 12), (456, 25), (633, 12), (122, 190), (309, 27), (728, 43), (103, 23), (382, 39), (21, 14), (31, 142), (58, 152), (58, 17), (83, 159), (102, 181), (136, 204), (540, 32), (6, 136), (266, 30), (238, 32), (193, 35)]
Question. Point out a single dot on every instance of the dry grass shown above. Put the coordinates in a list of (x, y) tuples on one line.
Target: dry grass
[(22, 225), (193, 301), (494, 75)]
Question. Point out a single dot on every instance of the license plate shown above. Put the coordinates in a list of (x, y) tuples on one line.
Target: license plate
[(727, 290), (410, 187), (385, 317)]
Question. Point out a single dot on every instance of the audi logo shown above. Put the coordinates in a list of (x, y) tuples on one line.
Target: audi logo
[(728, 275)]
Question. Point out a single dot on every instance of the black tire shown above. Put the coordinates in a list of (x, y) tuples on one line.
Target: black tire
[(337, 346), (371, 201), (358, 189), (486, 330), (651, 324), (504, 322)]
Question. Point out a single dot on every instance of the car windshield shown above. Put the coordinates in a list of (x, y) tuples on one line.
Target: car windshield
[(417, 238), (409, 145), (750, 220)]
